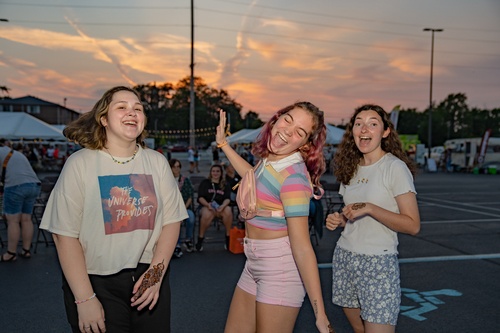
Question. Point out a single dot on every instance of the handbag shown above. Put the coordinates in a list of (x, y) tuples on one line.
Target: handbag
[(246, 198), (236, 238)]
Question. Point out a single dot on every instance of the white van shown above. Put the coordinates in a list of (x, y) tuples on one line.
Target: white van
[(464, 152), (436, 153)]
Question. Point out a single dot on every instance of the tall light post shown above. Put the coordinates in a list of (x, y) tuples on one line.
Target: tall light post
[(430, 94), (191, 84)]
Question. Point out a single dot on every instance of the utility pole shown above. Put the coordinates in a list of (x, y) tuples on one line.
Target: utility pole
[(191, 94), (430, 94)]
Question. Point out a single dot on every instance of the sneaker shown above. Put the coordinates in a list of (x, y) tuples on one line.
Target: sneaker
[(199, 244), (178, 252), (189, 246)]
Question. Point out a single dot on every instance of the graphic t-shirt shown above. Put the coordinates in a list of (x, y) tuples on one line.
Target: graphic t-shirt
[(116, 211)]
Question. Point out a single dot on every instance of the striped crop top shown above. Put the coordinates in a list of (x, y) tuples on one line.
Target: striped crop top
[(288, 190)]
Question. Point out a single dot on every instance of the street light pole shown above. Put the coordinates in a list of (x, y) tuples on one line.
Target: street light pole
[(191, 84), (430, 94)]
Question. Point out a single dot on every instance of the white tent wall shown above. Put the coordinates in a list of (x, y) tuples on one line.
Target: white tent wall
[(20, 126), (333, 134)]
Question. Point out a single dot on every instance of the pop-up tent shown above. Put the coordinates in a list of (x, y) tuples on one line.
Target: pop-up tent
[(23, 126), (244, 136), (240, 135), (333, 134)]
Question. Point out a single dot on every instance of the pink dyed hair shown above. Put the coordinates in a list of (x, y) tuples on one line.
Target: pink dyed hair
[(312, 151)]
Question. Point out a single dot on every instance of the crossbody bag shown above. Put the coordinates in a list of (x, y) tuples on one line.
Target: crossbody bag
[(4, 169)]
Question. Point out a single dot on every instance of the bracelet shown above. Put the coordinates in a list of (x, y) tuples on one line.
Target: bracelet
[(85, 300), (220, 145)]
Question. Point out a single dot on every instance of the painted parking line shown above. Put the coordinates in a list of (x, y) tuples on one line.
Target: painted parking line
[(467, 204), (435, 259), (450, 258), (455, 208), (460, 221)]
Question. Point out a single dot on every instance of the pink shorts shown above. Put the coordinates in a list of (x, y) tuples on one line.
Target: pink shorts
[(271, 274)]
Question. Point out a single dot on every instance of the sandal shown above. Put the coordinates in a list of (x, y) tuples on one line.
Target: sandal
[(26, 254), (11, 259)]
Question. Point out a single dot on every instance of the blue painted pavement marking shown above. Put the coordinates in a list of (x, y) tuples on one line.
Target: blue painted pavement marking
[(426, 301)]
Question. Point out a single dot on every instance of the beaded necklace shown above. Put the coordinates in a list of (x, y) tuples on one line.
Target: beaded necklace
[(124, 162)]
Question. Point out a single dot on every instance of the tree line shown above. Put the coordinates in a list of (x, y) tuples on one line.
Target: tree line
[(451, 119), (167, 106), (168, 109)]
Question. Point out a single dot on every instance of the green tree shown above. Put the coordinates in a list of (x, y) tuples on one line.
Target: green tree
[(452, 119), (410, 122), (252, 120), (5, 92), (157, 99), (168, 108)]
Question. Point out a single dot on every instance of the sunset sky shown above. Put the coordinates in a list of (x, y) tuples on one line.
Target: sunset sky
[(266, 54)]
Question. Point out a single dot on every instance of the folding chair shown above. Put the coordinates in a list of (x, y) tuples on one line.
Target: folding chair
[(38, 209), (333, 200), (316, 220), (216, 222)]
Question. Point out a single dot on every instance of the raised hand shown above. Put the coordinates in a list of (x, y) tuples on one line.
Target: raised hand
[(220, 136)]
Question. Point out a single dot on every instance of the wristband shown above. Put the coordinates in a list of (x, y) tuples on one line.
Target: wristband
[(220, 145), (85, 300)]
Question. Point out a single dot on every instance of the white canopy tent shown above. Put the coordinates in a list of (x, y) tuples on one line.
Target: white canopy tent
[(333, 135), (240, 135), (23, 126), (244, 136)]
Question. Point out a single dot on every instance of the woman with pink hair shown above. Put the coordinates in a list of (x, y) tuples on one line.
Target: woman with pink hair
[(281, 264)]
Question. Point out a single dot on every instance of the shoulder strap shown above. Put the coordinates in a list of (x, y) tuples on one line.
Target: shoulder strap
[(181, 181), (250, 170), (5, 161), (215, 191)]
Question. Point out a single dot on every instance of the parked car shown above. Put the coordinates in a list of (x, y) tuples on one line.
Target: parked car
[(489, 167), (179, 148)]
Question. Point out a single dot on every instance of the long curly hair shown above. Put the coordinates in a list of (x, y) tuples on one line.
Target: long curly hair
[(312, 152), (348, 156), (88, 131)]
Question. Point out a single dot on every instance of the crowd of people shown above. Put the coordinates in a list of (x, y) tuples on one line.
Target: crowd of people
[(116, 213), (43, 156)]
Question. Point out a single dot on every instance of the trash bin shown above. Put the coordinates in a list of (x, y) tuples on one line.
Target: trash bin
[(492, 170), (475, 171)]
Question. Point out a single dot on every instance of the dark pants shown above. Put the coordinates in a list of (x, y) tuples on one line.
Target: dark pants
[(114, 292)]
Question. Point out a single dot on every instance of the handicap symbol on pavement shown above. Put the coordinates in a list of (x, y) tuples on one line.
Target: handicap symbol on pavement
[(427, 301)]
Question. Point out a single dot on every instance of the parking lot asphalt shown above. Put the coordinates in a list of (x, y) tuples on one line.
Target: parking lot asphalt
[(450, 271)]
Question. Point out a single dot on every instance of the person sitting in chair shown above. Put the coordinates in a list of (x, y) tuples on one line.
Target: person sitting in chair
[(214, 198)]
